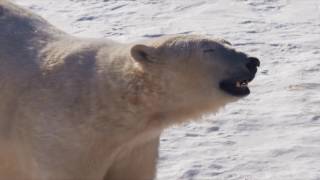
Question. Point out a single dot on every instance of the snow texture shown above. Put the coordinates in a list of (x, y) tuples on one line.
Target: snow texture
[(274, 134)]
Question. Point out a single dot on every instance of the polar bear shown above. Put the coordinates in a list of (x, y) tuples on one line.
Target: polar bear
[(86, 109)]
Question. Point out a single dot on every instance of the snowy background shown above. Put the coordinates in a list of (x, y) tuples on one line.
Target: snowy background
[(274, 134)]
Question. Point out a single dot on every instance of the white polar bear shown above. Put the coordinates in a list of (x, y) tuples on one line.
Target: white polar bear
[(85, 109)]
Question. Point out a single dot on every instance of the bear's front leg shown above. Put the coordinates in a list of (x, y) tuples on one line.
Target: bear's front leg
[(63, 156), (136, 164)]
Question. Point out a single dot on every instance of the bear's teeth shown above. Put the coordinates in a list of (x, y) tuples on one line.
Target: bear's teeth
[(241, 84)]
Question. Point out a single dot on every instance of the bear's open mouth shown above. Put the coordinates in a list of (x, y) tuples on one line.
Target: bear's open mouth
[(235, 87)]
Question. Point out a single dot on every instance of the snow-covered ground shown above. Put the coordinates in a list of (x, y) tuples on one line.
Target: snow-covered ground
[(274, 134)]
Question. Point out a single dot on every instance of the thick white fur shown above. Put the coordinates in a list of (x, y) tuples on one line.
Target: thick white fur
[(85, 109)]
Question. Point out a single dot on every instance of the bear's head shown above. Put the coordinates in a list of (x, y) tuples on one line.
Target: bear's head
[(196, 72)]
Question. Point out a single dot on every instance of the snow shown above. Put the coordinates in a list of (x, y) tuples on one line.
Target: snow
[(272, 134)]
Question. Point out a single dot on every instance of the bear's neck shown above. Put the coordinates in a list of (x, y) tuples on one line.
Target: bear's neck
[(152, 97), (144, 97), (147, 95)]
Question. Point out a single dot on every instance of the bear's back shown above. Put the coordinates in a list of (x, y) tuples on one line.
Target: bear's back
[(22, 32), (22, 37)]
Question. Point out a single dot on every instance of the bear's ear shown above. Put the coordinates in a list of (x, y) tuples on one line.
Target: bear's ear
[(143, 53)]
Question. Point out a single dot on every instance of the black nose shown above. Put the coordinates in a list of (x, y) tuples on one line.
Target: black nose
[(253, 64)]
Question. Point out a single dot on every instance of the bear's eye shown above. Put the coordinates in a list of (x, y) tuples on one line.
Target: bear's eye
[(208, 50)]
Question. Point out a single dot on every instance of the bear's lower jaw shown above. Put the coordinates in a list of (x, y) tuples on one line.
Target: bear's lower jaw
[(235, 88)]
